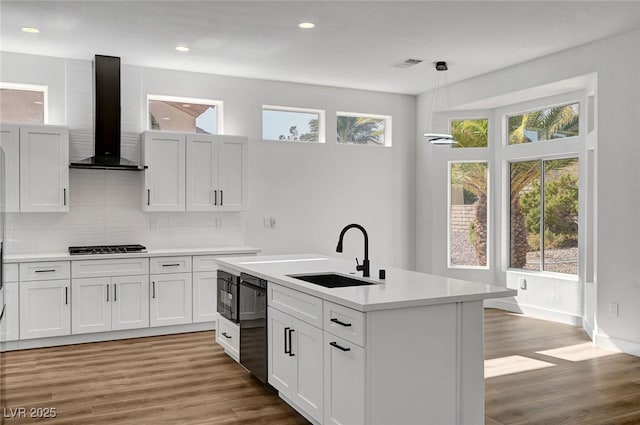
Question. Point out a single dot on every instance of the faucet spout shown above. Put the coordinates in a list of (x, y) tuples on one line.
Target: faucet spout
[(365, 263)]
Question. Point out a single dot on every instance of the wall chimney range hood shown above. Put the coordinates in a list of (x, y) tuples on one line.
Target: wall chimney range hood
[(107, 119)]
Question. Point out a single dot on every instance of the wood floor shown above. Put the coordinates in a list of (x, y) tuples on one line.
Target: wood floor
[(538, 372)]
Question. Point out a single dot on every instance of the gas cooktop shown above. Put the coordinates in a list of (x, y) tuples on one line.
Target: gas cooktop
[(106, 249)]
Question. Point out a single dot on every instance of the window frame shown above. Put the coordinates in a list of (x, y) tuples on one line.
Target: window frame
[(489, 212), (321, 122), (219, 104), (388, 128), (32, 87)]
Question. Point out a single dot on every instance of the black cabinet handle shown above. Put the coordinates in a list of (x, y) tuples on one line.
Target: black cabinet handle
[(115, 292), (215, 197), (64, 196), (154, 289), (334, 320), (286, 351), (46, 271), (66, 295), (107, 292), (224, 334), (335, 344), (171, 265), (148, 196), (221, 197), (290, 345)]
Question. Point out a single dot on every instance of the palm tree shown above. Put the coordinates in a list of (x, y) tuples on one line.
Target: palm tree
[(359, 130)]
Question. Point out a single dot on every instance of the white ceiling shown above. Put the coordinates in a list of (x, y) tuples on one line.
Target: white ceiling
[(353, 45)]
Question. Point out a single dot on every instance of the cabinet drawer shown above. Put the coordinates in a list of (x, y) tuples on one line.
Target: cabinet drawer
[(45, 270), (344, 322), (205, 263), (299, 305), (10, 272), (112, 267), (170, 265), (228, 336)]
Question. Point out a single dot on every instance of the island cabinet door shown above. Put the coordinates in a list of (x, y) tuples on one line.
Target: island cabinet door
[(306, 346), (281, 362), (130, 302), (344, 381), (91, 305)]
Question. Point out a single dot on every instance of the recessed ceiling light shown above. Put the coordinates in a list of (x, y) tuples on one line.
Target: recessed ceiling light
[(306, 25), (30, 30), (182, 48)]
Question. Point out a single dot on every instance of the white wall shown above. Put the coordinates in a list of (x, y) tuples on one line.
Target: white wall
[(616, 61), (311, 190)]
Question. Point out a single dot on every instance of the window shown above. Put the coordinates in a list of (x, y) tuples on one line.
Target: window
[(544, 124), (292, 124), (468, 204), (544, 215), (23, 103), (184, 114), (361, 129), (470, 133)]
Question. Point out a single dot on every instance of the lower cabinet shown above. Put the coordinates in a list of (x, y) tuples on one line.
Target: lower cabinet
[(228, 336), (205, 295), (344, 381), (11, 312), (110, 303), (295, 361), (171, 299), (45, 308)]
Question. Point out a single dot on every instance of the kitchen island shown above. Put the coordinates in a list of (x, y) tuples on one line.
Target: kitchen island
[(407, 349)]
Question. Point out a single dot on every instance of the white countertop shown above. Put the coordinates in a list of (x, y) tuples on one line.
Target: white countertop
[(400, 289), (64, 256)]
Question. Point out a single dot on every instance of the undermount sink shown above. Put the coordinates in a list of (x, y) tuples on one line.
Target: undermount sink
[(331, 280)]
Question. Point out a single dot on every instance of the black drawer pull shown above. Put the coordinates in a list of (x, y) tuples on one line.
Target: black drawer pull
[(286, 350), (335, 344), (46, 271), (290, 345), (224, 334), (334, 320), (171, 265)]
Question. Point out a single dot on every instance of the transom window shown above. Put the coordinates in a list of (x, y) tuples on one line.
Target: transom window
[(183, 114), (555, 122), (363, 129), (470, 133), (23, 103), (292, 124)]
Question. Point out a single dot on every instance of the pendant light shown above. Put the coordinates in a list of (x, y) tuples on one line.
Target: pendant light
[(439, 138)]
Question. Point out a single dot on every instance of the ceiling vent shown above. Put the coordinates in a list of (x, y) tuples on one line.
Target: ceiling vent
[(407, 63)]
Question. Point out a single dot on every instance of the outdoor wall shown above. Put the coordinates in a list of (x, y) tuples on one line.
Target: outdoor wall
[(616, 65), (312, 190)]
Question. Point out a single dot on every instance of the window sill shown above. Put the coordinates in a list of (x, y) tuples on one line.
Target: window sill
[(551, 275)]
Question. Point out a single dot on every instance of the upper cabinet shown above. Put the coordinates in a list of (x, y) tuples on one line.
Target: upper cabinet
[(195, 172), (37, 167)]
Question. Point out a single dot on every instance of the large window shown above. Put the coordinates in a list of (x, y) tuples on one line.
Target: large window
[(23, 103), (292, 124), (363, 129), (544, 215), (544, 124), (184, 114), (468, 204)]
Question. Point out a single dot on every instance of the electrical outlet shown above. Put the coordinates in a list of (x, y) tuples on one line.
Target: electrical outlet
[(522, 282), (613, 309), (269, 222)]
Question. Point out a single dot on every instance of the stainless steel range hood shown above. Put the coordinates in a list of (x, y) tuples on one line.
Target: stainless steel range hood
[(107, 119)]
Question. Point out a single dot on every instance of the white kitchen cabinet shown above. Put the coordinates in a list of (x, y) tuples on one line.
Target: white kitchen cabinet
[(344, 381), (164, 178), (205, 296), (171, 299), (44, 169), (216, 173), (10, 142), (228, 337), (295, 356), (110, 303), (11, 329), (44, 308)]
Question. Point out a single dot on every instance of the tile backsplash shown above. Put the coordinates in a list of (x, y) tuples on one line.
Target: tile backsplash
[(106, 208)]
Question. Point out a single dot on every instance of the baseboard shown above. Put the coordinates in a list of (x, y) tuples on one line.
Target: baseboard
[(588, 328), (616, 344), (104, 336), (540, 313)]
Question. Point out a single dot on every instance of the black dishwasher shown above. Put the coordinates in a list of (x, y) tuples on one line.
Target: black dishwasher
[(253, 326)]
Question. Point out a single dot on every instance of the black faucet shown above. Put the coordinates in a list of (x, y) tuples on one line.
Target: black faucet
[(365, 263)]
